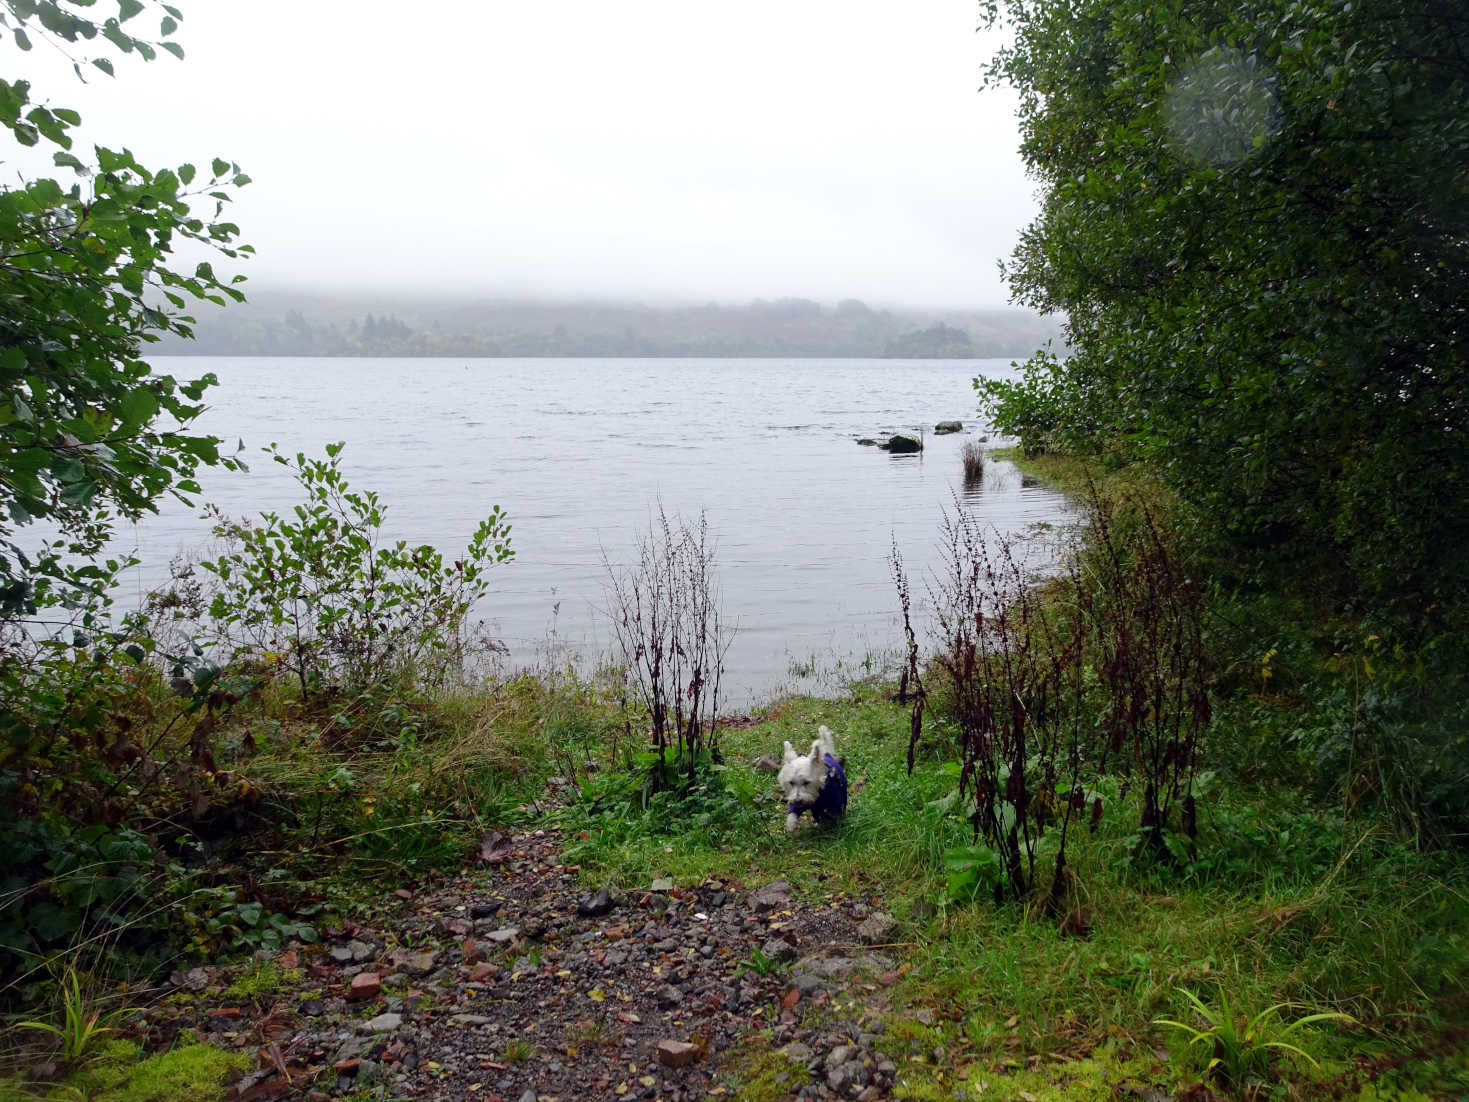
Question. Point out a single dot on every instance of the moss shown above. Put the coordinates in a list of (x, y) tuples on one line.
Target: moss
[(189, 1073), (1096, 1078), (760, 1073), (261, 979)]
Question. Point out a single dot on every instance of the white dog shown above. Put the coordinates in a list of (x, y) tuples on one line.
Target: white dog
[(816, 782)]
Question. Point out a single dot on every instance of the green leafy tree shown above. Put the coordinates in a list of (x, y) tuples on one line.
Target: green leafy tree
[(88, 431), (1255, 218)]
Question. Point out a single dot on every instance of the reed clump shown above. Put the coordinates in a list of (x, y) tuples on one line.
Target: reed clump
[(973, 463)]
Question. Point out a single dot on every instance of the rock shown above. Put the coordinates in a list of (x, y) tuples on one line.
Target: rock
[(595, 906), (943, 428), (668, 995), (839, 1079), (365, 985), (867, 442), (779, 950), (528, 1096), (839, 1056), (421, 964), (797, 1053), (503, 936), (383, 1023), (341, 954), (877, 928), (361, 951), (195, 979), (483, 972), (902, 443), (662, 884), (808, 985), (677, 1054), (766, 899)]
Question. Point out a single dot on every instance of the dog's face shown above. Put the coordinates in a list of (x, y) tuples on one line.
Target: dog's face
[(801, 777)]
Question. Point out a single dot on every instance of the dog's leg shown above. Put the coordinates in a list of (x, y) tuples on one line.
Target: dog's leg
[(791, 820)]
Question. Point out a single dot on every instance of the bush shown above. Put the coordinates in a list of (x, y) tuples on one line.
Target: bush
[(322, 597), (672, 638)]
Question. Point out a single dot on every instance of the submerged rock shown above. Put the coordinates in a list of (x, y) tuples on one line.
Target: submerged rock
[(902, 443), (943, 428)]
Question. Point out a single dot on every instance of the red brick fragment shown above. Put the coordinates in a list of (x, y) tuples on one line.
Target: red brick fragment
[(365, 985)]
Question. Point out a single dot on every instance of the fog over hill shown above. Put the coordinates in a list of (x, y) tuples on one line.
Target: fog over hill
[(279, 323)]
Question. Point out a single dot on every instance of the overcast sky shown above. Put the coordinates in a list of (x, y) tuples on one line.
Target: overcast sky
[(646, 149)]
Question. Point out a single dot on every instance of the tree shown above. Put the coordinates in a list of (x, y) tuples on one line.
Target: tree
[(88, 431), (1256, 221)]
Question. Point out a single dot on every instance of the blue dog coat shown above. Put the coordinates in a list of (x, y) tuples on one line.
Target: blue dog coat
[(831, 801)]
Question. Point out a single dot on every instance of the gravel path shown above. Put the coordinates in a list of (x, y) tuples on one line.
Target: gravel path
[(521, 987)]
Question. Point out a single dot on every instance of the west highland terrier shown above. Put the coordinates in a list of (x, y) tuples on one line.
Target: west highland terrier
[(816, 782)]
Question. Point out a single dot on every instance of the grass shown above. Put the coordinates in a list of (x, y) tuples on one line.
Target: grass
[(973, 459), (1294, 896), (1285, 903)]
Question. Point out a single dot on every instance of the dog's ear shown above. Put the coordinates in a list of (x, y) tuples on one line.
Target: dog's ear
[(816, 750), (790, 754)]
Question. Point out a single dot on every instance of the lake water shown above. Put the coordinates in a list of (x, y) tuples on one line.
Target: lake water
[(581, 452)]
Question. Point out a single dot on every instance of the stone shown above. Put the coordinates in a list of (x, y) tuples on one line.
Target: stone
[(361, 951), (383, 1023), (808, 985), (365, 985), (483, 972), (595, 906), (903, 443), (779, 950), (341, 954), (876, 928), (662, 884), (772, 895), (797, 1053), (504, 935), (943, 428), (839, 1056), (421, 964), (839, 1078), (677, 1054)]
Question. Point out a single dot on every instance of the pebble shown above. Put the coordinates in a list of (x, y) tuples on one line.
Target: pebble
[(383, 1023)]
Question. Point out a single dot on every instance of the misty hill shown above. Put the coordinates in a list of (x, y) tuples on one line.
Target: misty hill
[(275, 323)]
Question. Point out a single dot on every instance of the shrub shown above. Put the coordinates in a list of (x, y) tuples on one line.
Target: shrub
[(672, 637), (1013, 680), (321, 595)]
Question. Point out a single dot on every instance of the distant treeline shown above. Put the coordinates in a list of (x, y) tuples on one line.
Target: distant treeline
[(278, 324)]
